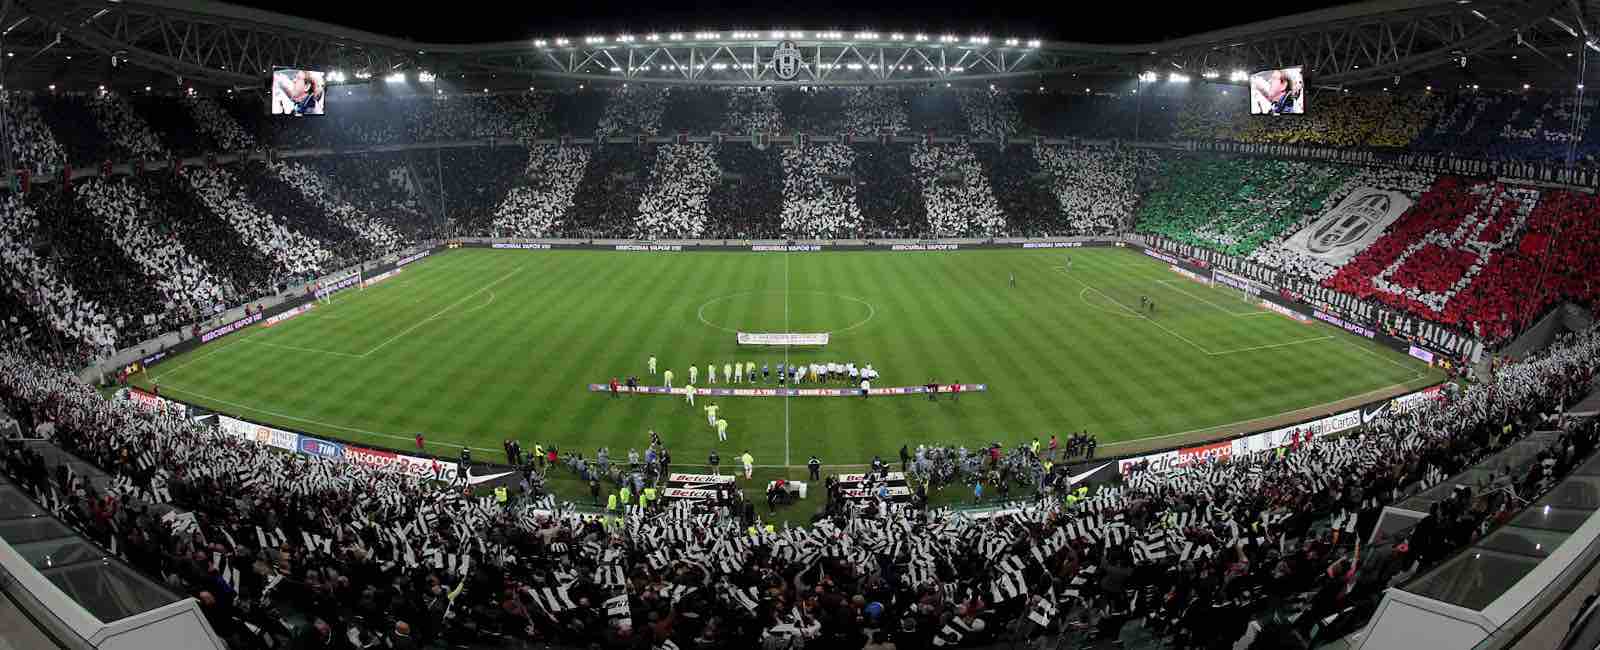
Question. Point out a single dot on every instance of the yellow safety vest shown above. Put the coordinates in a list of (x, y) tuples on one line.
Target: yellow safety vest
[(611, 502), (500, 494)]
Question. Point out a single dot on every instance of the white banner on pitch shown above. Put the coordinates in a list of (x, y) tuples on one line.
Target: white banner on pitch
[(783, 338)]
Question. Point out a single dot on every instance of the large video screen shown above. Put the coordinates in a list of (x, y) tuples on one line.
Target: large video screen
[(299, 92), (1278, 92)]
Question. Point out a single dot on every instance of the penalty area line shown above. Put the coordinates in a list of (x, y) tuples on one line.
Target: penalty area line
[(441, 312)]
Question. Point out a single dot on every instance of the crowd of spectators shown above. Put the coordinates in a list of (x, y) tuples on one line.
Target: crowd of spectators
[(749, 111), (1025, 192), (1274, 254), (41, 283), (536, 207), (989, 114), (291, 253), (959, 199), (33, 146), (1340, 119), (748, 202), (376, 237), (676, 201), (632, 111), (94, 265), (383, 186), (819, 195), (74, 128), (126, 132), (188, 289), (211, 119), (278, 547), (1510, 126), (1236, 205), (1094, 187)]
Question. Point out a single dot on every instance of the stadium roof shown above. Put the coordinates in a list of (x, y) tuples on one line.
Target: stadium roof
[(182, 42)]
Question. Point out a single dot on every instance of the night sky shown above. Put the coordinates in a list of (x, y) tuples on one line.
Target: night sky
[(1090, 22)]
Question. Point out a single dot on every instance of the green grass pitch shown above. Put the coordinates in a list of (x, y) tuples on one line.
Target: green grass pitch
[(475, 346)]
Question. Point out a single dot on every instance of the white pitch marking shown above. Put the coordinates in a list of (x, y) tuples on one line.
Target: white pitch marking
[(1220, 307), (441, 312)]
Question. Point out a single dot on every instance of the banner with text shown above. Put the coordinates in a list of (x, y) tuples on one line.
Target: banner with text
[(783, 338)]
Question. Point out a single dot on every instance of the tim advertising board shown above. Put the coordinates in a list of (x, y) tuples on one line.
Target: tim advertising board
[(321, 448)]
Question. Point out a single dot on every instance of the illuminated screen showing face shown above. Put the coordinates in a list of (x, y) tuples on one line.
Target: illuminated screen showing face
[(298, 92), (1277, 92)]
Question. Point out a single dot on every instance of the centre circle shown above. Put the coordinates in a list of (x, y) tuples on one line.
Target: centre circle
[(802, 310)]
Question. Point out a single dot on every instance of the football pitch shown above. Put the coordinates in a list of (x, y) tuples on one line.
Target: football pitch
[(474, 346)]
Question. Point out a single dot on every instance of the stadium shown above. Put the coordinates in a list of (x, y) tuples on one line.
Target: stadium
[(1252, 330)]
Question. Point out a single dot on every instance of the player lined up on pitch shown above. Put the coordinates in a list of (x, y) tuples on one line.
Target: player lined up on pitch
[(784, 373)]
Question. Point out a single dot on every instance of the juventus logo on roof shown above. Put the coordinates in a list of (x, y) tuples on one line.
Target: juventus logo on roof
[(786, 61)]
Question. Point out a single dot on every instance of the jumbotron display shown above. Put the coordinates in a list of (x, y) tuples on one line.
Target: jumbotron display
[(1278, 92), (298, 92)]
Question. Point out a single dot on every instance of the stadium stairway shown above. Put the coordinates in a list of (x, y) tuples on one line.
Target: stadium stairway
[(1563, 318)]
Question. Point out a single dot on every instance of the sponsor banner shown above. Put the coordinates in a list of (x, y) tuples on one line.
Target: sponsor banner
[(1341, 323), (381, 277), (392, 462), (1189, 274), (693, 494), (1055, 244), (1159, 462), (1205, 453), (330, 288), (155, 402), (207, 337), (897, 492), (671, 248), (1349, 228), (1272, 306), (792, 248), (147, 361), (1421, 353), (412, 258), (783, 338), (676, 477), (1408, 403), (893, 477), (924, 247), (1241, 283), (788, 392), (259, 433), (317, 447), (521, 246), (1162, 256), (283, 316)]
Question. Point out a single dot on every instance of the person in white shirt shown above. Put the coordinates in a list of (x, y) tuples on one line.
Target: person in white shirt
[(732, 371), (652, 364), (711, 373), (694, 373)]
